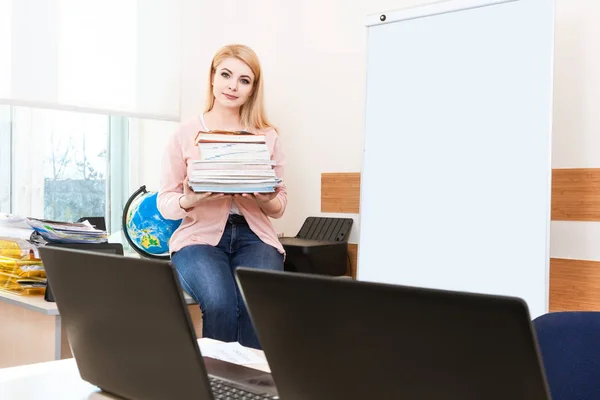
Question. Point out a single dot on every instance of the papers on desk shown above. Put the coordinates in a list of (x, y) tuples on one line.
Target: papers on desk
[(41, 231), (21, 270), (12, 221), (67, 232), (12, 226), (232, 352), (16, 233)]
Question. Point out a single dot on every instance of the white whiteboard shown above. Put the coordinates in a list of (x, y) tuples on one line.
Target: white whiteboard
[(455, 186)]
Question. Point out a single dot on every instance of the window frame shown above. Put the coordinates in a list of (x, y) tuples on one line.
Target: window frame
[(5, 159), (118, 173), (117, 169)]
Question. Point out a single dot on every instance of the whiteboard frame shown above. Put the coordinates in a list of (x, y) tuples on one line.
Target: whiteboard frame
[(427, 10), (448, 6)]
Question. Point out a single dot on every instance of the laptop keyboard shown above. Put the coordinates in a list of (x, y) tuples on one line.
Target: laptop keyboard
[(223, 390)]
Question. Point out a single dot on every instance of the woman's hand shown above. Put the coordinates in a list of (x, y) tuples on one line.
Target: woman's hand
[(191, 199), (265, 200)]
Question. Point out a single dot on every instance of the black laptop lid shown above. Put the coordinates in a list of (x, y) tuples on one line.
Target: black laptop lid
[(127, 324), (331, 338)]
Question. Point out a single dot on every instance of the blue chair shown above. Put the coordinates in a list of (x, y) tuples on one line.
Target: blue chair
[(569, 344)]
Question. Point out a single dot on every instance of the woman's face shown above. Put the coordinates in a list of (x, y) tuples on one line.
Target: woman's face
[(233, 82)]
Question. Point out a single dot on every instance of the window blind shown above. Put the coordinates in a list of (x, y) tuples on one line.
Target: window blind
[(118, 57)]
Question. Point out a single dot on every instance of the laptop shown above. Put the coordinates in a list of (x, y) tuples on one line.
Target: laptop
[(331, 338), (130, 332)]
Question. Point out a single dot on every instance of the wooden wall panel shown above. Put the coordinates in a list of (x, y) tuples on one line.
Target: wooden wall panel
[(353, 253), (340, 192), (576, 194), (196, 316), (574, 285)]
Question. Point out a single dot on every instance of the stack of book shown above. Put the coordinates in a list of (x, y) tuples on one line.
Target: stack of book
[(232, 162)]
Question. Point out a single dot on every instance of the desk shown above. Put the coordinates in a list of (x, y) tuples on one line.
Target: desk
[(58, 380), (31, 329)]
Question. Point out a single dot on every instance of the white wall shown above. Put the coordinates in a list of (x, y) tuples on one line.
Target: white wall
[(576, 134), (313, 55)]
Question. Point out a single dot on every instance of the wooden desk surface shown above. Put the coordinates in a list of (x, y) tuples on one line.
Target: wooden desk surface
[(31, 302), (38, 325), (38, 304), (58, 380)]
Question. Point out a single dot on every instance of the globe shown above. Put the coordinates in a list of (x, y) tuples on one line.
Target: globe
[(144, 227)]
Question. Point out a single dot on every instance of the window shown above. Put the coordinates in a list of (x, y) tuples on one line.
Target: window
[(75, 165), (5, 159), (64, 165), (119, 56), (87, 90)]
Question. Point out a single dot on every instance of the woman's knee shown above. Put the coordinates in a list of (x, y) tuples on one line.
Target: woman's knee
[(195, 256), (205, 273), (260, 255), (274, 257)]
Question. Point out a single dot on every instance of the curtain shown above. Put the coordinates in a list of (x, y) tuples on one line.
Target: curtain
[(118, 57)]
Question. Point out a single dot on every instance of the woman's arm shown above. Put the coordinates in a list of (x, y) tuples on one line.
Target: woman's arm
[(270, 203), (274, 204), (175, 198), (173, 173)]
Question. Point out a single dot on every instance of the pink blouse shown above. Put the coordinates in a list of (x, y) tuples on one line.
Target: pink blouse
[(204, 224)]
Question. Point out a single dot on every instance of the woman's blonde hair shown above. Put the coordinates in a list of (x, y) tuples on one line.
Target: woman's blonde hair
[(252, 113)]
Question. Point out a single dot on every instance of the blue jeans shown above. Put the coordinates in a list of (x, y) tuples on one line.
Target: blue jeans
[(207, 274)]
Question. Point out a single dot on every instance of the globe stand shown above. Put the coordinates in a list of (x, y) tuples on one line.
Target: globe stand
[(141, 190)]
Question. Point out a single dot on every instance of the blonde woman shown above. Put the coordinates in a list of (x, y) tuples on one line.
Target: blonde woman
[(221, 232)]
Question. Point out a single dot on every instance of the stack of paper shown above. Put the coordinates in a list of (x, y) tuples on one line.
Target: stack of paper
[(21, 269), (12, 226), (67, 232), (232, 352), (232, 162)]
